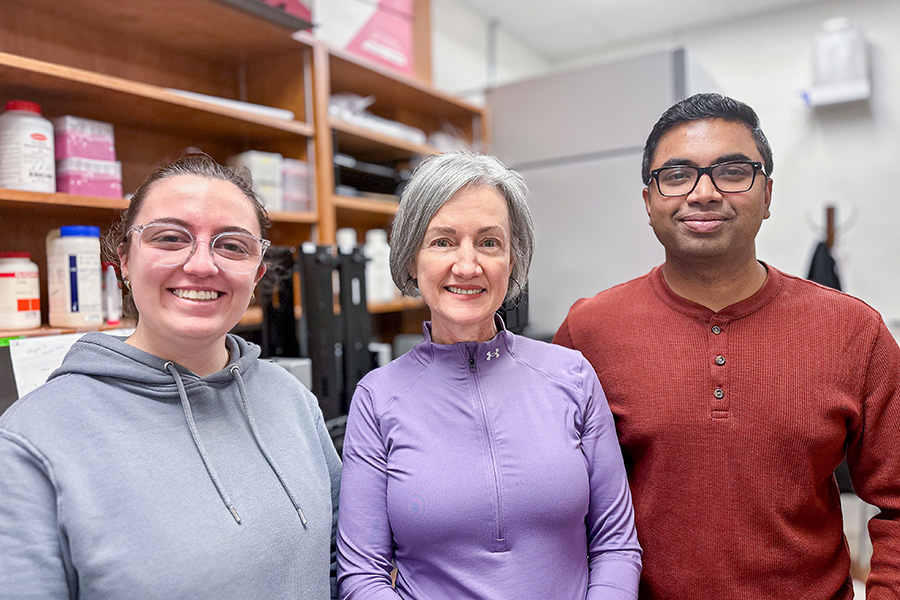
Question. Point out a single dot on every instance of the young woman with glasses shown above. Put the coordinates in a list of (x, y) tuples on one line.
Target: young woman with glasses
[(173, 463)]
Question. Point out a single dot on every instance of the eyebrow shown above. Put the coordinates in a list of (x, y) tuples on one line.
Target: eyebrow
[(186, 225), (452, 231), (681, 162)]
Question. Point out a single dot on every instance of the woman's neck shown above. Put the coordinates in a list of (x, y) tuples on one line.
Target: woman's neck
[(203, 357)]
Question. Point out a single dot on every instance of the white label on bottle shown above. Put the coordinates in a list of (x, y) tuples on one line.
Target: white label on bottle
[(30, 161), (74, 286), (20, 292)]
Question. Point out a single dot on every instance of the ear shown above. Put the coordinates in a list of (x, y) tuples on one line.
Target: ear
[(260, 272), (768, 197), (646, 194), (123, 261)]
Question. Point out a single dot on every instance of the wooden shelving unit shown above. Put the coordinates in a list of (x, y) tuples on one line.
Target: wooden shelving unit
[(123, 62), (396, 98)]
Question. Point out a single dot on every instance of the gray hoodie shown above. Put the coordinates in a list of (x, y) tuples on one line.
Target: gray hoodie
[(127, 476)]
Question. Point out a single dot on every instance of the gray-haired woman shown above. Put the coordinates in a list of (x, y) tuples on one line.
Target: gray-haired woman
[(481, 464)]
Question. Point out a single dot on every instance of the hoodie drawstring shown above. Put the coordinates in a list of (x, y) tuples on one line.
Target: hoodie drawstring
[(189, 416), (236, 373)]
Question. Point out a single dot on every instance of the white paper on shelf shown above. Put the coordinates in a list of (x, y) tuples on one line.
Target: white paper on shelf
[(259, 109), (34, 358)]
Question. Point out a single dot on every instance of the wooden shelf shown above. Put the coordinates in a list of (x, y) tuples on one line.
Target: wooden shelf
[(44, 330), (373, 146), (400, 305), (68, 90), (365, 205), (14, 197), (293, 217), (205, 28), (350, 73), (254, 314)]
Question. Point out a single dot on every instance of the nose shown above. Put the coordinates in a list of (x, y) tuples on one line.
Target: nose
[(201, 261), (705, 191), (466, 263)]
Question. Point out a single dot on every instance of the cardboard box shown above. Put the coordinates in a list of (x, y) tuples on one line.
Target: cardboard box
[(378, 30)]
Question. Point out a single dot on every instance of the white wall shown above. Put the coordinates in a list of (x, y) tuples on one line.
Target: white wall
[(461, 38), (846, 155)]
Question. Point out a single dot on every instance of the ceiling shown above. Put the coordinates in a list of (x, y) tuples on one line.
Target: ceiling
[(566, 29)]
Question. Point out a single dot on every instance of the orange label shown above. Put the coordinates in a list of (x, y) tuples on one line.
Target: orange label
[(26, 304)]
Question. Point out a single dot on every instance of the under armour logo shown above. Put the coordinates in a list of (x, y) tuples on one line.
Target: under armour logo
[(493, 354)]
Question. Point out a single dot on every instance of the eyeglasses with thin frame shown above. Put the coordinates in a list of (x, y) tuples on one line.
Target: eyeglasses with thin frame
[(170, 245), (732, 177)]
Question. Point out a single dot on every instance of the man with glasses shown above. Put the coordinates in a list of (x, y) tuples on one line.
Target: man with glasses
[(737, 388)]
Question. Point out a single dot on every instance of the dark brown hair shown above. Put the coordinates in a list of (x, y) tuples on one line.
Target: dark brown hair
[(701, 107)]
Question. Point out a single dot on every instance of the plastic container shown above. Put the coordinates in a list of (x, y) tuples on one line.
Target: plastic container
[(20, 292), (295, 186), (74, 276), (345, 237), (112, 295), (89, 177), (77, 137), (379, 284), (26, 148), (266, 172)]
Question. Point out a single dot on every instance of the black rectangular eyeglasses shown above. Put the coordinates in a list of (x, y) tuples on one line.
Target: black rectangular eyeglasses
[(731, 177)]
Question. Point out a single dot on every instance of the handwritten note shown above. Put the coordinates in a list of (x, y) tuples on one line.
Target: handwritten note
[(33, 359)]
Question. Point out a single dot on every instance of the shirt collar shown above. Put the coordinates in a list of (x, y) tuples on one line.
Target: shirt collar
[(490, 351), (763, 296)]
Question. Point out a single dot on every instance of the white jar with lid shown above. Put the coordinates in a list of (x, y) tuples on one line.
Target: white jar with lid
[(74, 279), (27, 160), (379, 284), (20, 292)]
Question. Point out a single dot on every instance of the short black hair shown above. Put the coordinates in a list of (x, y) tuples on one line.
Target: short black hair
[(700, 107)]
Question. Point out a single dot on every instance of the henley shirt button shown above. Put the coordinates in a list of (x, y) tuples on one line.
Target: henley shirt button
[(716, 329), (720, 360), (719, 394)]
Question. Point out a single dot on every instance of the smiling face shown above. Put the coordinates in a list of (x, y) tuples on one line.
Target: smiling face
[(464, 264), (707, 225), (189, 308)]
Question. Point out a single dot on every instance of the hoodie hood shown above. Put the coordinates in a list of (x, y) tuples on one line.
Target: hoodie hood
[(104, 356), (101, 355)]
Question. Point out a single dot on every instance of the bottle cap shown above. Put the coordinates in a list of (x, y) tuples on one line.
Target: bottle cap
[(26, 105), (346, 239), (376, 236), (81, 230), (15, 255)]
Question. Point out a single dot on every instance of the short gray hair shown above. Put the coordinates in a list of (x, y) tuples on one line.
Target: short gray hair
[(437, 180)]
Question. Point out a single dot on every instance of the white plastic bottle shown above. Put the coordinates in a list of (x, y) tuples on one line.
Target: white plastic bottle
[(20, 292), (379, 284), (112, 295), (26, 148), (74, 283)]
